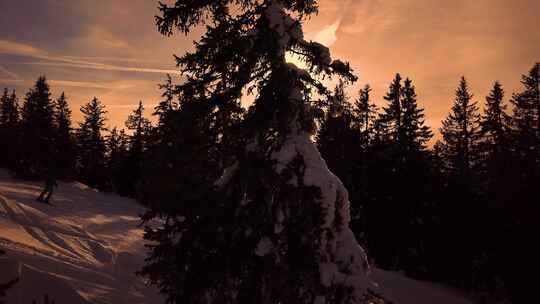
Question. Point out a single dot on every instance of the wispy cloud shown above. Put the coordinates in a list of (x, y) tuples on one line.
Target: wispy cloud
[(12, 76), (15, 48), (80, 84), (101, 66), (327, 35)]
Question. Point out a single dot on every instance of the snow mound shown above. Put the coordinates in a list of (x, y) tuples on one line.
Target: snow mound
[(402, 290), (85, 248)]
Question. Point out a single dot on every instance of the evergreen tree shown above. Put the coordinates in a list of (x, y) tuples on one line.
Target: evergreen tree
[(461, 135), (168, 104), (365, 122), (400, 182), (64, 141), (365, 114), (274, 228), (91, 154), (337, 139), (526, 123), (391, 116), (37, 133), (495, 146), (117, 154), (339, 142), (522, 207), (415, 134), (9, 109), (141, 127), (9, 129)]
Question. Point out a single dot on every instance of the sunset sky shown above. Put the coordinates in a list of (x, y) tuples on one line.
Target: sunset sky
[(111, 49)]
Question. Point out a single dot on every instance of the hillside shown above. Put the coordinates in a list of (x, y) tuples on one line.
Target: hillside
[(85, 248)]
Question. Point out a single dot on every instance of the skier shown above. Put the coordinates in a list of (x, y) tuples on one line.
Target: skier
[(50, 184)]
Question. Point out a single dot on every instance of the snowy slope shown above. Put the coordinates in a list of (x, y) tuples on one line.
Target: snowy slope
[(85, 248)]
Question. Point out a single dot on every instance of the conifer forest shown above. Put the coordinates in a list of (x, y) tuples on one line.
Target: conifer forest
[(269, 172)]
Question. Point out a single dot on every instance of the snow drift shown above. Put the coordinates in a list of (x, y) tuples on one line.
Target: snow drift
[(83, 249)]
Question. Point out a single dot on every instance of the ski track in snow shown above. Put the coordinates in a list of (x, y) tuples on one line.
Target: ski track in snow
[(83, 249)]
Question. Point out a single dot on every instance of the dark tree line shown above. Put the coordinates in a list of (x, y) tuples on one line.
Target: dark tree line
[(41, 142), (462, 212)]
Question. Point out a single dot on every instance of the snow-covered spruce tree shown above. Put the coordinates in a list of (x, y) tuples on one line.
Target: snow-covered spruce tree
[(274, 227)]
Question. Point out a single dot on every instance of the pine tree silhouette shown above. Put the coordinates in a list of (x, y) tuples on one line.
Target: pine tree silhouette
[(141, 128), (462, 162), (522, 207), (401, 164), (117, 154), (9, 129), (92, 149), (65, 149), (37, 132), (461, 135)]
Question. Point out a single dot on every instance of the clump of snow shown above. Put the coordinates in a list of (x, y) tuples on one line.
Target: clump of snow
[(227, 175), (300, 72), (322, 53), (264, 247), (284, 25)]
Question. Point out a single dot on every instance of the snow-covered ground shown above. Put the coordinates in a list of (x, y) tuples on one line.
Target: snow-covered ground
[(86, 247), (83, 249)]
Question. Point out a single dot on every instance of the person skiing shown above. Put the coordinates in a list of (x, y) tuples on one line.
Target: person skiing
[(50, 184)]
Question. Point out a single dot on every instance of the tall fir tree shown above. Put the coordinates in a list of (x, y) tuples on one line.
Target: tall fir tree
[(391, 116), (274, 228), (117, 154), (461, 137), (400, 181), (522, 208), (338, 139), (496, 146), (339, 142), (37, 133), (91, 144), (141, 128), (9, 129), (365, 119), (64, 140), (416, 133), (365, 114), (526, 123), (169, 102)]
